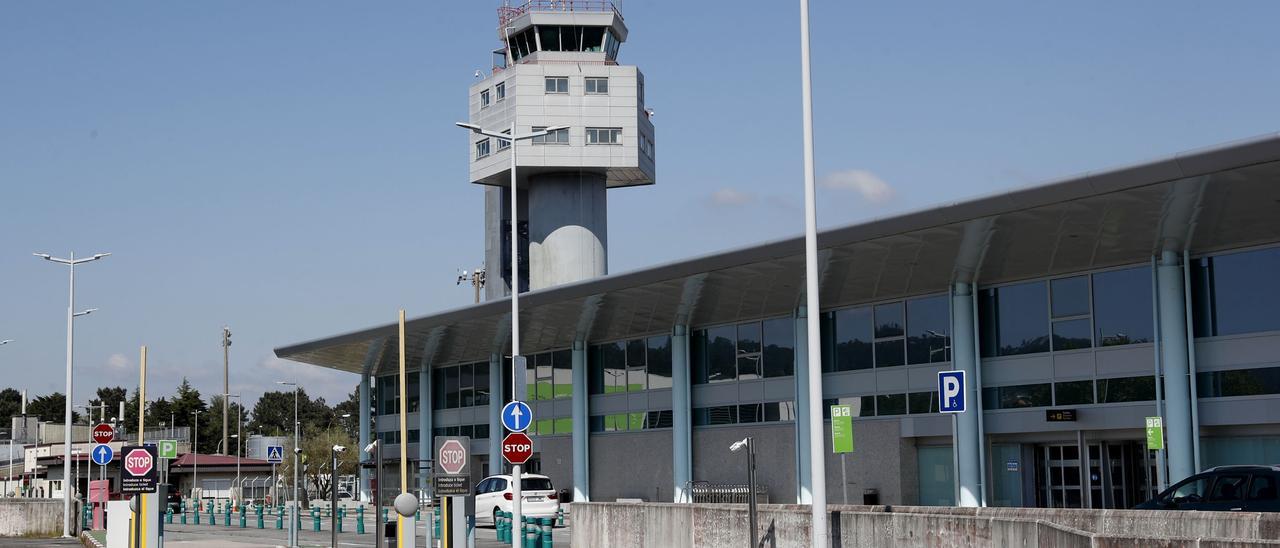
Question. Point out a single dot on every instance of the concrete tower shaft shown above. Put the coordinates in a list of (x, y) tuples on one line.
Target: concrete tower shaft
[(557, 66)]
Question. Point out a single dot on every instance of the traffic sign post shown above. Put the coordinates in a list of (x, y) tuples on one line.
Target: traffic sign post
[(517, 448), (102, 454), (516, 416), (275, 454), (842, 441), (1155, 433), (103, 433), (452, 482), (138, 469), (168, 449), (951, 392)]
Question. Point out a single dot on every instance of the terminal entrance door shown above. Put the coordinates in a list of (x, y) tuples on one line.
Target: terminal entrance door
[(1120, 474)]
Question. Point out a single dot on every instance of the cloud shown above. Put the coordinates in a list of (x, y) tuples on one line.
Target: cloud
[(118, 362), (871, 188), (731, 197)]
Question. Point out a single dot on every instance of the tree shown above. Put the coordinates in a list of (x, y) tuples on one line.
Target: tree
[(111, 396), (273, 413), (317, 464), (51, 408), (10, 405), (211, 429), (351, 407)]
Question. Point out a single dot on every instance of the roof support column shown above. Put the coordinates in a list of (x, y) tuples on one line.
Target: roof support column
[(964, 358), (363, 490), (1175, 364), (496, 401), (426, 443), (581, 432), (681, 415), (804, 476)]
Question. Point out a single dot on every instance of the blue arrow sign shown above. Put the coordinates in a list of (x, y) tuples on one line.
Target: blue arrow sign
[(516, 416), (102, 454), (275, 454)]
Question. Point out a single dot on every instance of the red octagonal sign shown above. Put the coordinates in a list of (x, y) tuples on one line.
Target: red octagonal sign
[(103, 433), (138, 462), (453, 457), (517, 448)]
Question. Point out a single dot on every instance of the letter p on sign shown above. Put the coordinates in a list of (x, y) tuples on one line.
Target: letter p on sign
[(951, 392)]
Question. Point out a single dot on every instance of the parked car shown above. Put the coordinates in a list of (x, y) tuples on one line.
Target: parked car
[(1223, 489), (493, 494)]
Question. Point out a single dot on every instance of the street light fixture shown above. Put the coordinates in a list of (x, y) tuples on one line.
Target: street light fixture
[(512, 137), (6, 341), (297, 450), (71, 305), (374, 449), (333, 493), (749, 444)]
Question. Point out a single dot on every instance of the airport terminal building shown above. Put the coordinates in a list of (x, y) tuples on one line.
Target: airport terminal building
[(1077, 309)]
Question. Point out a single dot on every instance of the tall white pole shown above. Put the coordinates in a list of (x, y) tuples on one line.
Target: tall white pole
[(293, 516), (66, 431), (817, 457), (516, 497)]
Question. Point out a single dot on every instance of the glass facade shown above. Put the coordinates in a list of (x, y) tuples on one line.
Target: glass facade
[(459, 386), (632, 365), (1240, 382), (549, 375), (1018, 396), (914, 331), (1236, 293), (473, 431), (631, 422), (777, 411), (744, 351), (1014, 319), (937, 476), (1122, 307), (1126, 389), (387, 394)]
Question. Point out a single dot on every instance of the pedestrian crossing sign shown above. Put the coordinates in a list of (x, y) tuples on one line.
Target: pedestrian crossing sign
[(275, 454)]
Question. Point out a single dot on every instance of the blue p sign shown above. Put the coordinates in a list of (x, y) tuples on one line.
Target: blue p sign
[(951, 391)]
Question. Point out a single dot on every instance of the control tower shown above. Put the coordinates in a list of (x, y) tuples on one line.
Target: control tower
[(557, 66)]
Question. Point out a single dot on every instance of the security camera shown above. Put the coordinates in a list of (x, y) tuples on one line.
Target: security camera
[(297, 450), (339, 449)]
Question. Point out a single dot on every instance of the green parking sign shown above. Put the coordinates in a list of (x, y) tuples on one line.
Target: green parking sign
[(168, 449), (1155, 433), (842, 429)]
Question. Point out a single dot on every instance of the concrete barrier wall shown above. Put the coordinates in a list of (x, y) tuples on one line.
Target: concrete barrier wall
[(21, 517), (607, 525)]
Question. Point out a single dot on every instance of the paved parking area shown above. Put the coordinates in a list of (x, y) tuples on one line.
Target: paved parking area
[(234, 537)]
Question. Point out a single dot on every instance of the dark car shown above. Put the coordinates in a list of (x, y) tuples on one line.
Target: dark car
[(1223, 489)]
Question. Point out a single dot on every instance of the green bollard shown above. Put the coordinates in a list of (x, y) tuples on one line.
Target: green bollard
[(242, 521), (341, 514), (260, 522), (360, 520), (184, 512), (384, 516), (280, 520), (315, 519), (499, 525), (545, 524), (168, 515), (559, 517), (212, 520), (226, 513), (531, 536)]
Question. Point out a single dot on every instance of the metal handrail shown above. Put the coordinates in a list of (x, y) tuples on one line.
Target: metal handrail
[(507, 13)]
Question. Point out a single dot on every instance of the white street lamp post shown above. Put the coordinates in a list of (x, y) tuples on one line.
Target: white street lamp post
[(513, 138), (817, 462), (239, 421), (71, 305), (297, 448)]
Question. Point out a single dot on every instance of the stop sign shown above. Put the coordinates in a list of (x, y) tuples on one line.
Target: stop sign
[(103, 433), (452, 457), (138, 462), (517, 448)]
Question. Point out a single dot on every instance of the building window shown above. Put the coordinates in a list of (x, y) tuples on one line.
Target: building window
[(658, 351), (647, 146), (1073, 392), (721, 354), (500, 91), (459, 386), (1070, 309), (604, 136), (634, 422), (1017, 397), (557, 137), (748, 351), (1236, 293), (779, 347), (1014, 319), (484, 99), (1122, 307), (778, 411), (608, 371), (853, 344), (1241, 382), (597, 86), (504, 144), (928, 328), (890, 347), (557, 84), (1126, 389), (482, 148), (922, 402)]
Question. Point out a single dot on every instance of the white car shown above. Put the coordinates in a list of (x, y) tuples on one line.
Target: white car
[(494, 494)]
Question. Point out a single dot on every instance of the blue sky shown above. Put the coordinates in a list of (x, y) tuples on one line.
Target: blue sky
[(290, 169)]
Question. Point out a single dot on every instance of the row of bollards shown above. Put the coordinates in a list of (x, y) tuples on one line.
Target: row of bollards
[(534, 532)]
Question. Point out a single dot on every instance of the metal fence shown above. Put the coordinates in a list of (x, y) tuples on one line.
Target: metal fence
[(731, 493)]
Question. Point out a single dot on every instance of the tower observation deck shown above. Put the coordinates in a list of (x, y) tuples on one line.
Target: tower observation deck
[(557, 65)]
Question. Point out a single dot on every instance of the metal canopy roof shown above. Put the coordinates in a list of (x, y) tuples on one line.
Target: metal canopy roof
[(1202, 201)]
